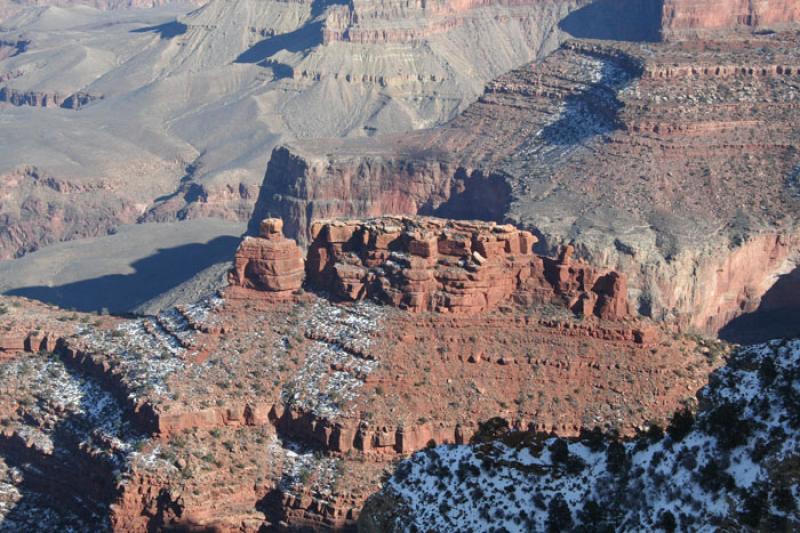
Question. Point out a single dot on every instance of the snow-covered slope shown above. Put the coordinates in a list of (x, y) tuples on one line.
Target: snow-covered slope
[(736, 466)]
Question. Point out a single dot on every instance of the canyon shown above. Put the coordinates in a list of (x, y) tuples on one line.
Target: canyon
[(282, 401), (259, 73), (637, 155), (504, 242)]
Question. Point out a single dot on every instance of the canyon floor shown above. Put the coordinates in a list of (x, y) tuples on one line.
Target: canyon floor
[(142, 267)]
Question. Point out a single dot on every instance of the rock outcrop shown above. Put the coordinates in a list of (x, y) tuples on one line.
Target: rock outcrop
[(269, 262), (430, 264), (43, 99), (731, 455), (262, 413), (664, 161), (692, 18)]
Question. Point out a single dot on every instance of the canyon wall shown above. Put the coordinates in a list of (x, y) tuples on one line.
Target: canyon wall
[(667, 163), (691, 18)]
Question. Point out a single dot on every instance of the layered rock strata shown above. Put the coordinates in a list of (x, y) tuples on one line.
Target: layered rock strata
[(268, 262), (668, 162), (261, 70), (429, 264), (692, 18), (247, 414)]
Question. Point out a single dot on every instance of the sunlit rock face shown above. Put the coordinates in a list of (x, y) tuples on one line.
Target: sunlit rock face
[(689, 18)]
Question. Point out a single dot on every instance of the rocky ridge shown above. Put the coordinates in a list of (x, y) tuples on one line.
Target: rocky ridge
[(605, 145), (282, 408), (428, 264)]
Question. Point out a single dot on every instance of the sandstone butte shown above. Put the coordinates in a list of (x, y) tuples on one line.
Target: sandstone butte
[(283, 401), (426, 264)]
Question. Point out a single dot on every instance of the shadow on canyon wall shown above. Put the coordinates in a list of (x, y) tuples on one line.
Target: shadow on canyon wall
[(301, 39), (64, 484), (152, 276), (474, 197), (618, 20), (777, 316)]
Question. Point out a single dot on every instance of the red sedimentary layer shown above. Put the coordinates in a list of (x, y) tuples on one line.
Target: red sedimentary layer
[(429, 264), (366, 22), (269, 262), (694, 16), (699, 152)]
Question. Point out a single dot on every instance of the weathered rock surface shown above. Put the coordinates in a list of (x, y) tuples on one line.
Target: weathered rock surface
[(257, 72), (287, 412), (692, 18), (41, 209), (698, 473), (268, 262), (669, 162), (429, 264)]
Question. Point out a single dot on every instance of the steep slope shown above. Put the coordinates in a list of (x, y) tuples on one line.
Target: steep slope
[(10, 8), (674, 163), (198, 99), (734, 467)]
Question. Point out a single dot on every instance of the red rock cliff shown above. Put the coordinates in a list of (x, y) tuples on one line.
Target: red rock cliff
[(431, 264), (692, 17)]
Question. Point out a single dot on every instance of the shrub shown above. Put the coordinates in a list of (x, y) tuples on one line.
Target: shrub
[(767, 372), (559, 451), (490, 430), (714, 478), (593, 518), (667, 522), (559, 515), (726, 423), (783, 499), (754, 507), (681, 424), (593, 439), (616, 458)]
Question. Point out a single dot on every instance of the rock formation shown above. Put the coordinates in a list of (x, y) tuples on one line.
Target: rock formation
[(260, 70), (669, 162), (37, 99), (268, 262), (259, 411), (693, 18), (428, 264), (687, 476)]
